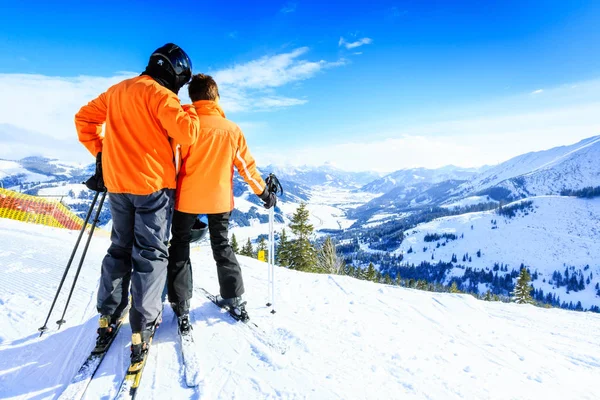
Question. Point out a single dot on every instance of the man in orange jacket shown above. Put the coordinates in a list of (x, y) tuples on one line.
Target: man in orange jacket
[(135, 164), (205, 186)]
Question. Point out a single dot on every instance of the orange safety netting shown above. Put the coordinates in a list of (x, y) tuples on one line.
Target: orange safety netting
[(27, 208)]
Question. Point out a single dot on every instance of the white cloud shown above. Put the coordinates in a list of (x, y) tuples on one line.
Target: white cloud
[(353, 45), (244, 87), (395, 12), (289, 8), (271, 71), (41, 108), (537, 91)]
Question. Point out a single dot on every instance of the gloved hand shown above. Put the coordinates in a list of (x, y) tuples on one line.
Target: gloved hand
[(270, 199), (96, 181)]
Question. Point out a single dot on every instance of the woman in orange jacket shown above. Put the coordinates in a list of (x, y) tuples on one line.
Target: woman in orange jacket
[(205, 186), (135, 164)]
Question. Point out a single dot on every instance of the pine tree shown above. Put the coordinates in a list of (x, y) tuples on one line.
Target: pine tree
[(371, 274), (262, 246), (248, 250), (282, 251), (234, 244), (387, 279), (522, 292), (488, 296), (302, 254), (398, 280), (351, 271), (328, 261), (454, 288), (361, 273)]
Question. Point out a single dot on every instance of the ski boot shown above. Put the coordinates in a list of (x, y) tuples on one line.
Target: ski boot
[(236, 307), (140, 343), (183, 324), (105, 332), (182, 311)]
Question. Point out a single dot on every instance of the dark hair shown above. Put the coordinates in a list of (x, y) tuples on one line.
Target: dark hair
[(203, 87)]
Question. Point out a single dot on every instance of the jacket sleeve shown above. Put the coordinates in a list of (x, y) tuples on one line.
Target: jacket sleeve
[(181, 123), (246, 166), (89, 121)]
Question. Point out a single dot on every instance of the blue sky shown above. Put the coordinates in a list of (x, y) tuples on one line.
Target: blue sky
[(416, 83)]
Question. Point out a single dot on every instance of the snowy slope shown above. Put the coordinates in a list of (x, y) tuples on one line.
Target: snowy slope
[(543, 172), (558, 231), (347, 339)]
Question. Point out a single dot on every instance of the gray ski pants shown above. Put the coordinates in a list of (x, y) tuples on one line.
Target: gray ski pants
[(138, 255)]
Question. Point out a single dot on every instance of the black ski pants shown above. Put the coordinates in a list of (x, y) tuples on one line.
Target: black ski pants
[(179, 275)]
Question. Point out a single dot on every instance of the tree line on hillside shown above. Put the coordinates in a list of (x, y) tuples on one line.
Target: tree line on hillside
[(588, 192), (302, 254)]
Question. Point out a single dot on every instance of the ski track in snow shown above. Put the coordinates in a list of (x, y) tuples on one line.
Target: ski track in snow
[(347, 339)]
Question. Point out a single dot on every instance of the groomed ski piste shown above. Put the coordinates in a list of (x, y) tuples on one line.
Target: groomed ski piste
[(346, 339)]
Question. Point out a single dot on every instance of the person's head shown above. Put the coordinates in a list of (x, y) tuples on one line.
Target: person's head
[(170, 66), (203, 87)]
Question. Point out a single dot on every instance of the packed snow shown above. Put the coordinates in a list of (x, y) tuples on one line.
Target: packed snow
[(347, 339), (557, 231)]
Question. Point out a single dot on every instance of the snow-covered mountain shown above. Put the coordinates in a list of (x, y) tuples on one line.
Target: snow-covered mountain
[(540, 173), (419, 177), (552, 171), (31, 171), (549, 235), (347, 339), (324, 175)]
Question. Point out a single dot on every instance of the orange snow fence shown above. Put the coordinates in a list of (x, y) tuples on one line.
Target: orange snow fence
[(37, 210)]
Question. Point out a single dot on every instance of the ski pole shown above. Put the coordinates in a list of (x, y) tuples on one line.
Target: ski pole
[(85, 249), (62, 281), (272, 256), (269, 266), (274, 186)]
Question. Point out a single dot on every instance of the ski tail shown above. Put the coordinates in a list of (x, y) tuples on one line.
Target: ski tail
[(191, 358)]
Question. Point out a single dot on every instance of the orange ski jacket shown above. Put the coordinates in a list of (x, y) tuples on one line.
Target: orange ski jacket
[(205, 180), (140, 116)]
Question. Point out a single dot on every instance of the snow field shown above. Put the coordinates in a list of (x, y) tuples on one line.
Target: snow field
[(558, 230), (347, 339)]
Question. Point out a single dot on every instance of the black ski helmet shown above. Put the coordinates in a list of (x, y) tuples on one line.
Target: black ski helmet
[(199, 230), (172, 64)]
